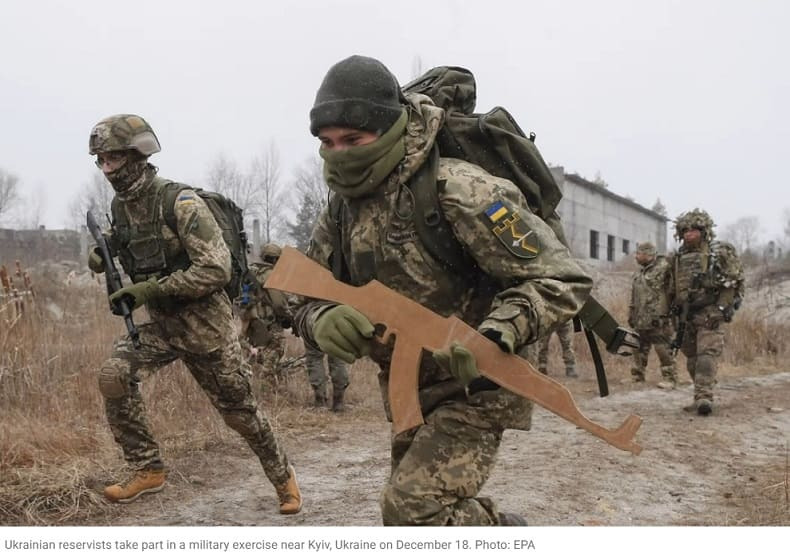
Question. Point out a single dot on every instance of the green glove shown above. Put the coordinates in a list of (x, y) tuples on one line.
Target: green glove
[(500, 332), (343, 332), (95, 261), (459, 361), (136, 295)]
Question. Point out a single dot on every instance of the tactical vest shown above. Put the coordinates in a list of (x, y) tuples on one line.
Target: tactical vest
[(695, 279), (141, 247)]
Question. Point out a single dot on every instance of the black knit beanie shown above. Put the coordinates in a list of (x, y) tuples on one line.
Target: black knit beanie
[(358, 93)]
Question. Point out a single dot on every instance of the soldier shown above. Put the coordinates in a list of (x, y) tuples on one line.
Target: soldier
[(648, 314), (565, 334), (376, 143), (316, 375), (264, 314), (178, 275), (708, 288)]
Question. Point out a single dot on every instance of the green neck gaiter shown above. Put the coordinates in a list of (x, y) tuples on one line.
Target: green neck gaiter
[(357, 171)]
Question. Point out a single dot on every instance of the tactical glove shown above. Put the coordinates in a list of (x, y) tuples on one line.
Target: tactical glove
[(343, 332), (136, 295), (95, 261), (500, 332), (459, 362)]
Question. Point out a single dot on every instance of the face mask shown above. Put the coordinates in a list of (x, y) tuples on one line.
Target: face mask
[(357, 171), (127, 175)]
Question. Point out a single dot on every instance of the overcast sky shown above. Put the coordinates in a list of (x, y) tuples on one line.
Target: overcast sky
[(682, 100)]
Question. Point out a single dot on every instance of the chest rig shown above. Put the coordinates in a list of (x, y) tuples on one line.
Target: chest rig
[(694, 275), (140, 245)]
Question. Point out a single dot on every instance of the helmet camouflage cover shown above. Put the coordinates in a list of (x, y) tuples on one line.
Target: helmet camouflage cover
[(123, 132), (271, 251), (696, 218)]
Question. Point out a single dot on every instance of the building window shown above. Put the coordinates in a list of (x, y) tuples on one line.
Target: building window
[(626, 247), (610, 248), (593, 244)]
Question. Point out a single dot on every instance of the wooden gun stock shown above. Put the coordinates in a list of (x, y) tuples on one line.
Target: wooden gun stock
[(415, 328)]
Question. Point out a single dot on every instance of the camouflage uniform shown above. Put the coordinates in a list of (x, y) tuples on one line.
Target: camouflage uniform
[(565, 334), (263, 314), (316, 375), (439, 468), (648, 315), (192, 320), (708, 287)]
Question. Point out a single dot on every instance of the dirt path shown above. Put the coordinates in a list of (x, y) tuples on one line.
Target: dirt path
[(719, 470)]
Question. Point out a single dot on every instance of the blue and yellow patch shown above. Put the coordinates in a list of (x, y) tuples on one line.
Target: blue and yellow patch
[(511, 230), (186, 198)]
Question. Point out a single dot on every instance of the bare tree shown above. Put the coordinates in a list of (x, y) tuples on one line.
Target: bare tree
[(310, 198), (743, 233), (95, 195), (224, 177), (659, 207), (265, 181), (9, 193)]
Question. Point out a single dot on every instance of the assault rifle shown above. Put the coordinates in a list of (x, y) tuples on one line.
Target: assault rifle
[(113, 280), (682, 315), (416, 328)]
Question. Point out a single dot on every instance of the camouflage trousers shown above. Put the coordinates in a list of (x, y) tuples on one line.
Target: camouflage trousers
[(565, 334), (316, 372), (439, 468), (269, 341), (703, 343), (658, 338), (223, 374)]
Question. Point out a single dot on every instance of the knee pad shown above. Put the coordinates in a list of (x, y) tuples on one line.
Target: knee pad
[(242, 423), (114, 380)]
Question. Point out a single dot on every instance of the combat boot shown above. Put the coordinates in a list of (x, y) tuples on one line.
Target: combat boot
[(337, 400), (320, 398), (289, 495), (509, 519), (140, 482), (669, 378), (704, 407)]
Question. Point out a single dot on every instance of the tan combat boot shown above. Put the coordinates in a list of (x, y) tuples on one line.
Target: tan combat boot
[(140, 482), (289, 495)]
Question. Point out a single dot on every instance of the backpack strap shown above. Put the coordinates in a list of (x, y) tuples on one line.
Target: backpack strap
[(170, 192), (433, 229)]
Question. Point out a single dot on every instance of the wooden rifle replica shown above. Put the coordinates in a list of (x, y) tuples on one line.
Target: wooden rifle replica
[(416, 328)]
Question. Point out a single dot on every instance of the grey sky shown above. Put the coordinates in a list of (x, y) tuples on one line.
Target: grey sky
[(682, 100)]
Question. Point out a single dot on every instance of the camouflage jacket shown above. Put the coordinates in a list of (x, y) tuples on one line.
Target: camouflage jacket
[(650, 295), (270, 306), (708, 277), (195, 314), (531, 282)]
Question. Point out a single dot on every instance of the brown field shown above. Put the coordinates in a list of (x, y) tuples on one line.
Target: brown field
[(56, 451)]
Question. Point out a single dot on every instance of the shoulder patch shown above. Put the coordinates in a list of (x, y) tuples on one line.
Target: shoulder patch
[(186, 198), (511, 230)]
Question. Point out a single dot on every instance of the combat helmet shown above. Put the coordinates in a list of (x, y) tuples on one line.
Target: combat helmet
[(271, 251), (695, 218), (123, 132)]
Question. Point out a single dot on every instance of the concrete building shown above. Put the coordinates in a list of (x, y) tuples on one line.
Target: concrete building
[(601, 226)]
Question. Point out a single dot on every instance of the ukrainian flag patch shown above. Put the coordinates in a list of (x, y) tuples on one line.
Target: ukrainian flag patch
[(511, 230)]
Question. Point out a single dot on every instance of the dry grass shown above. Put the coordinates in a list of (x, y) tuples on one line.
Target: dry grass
[(57, 450)]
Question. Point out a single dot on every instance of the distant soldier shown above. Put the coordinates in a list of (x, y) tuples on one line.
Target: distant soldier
[(316, 374), (264, 314), (178, 273), (708, 287), (649, 314), (565, 334)]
